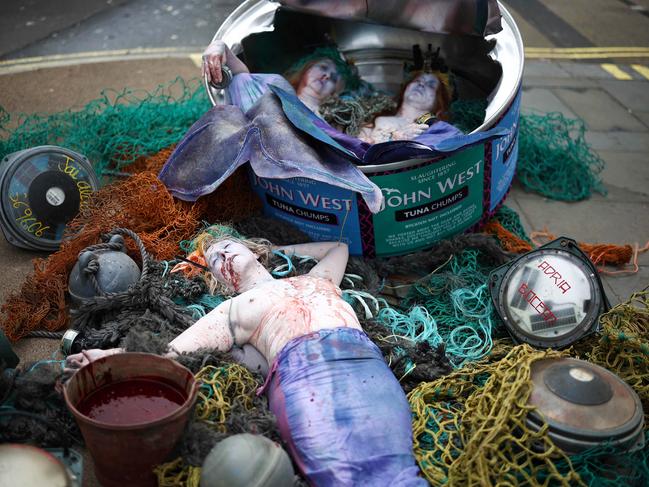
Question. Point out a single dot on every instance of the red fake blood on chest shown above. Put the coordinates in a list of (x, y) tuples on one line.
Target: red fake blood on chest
[(138, 400)]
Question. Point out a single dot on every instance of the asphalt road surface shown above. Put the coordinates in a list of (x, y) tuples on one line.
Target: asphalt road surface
[(41, 27)]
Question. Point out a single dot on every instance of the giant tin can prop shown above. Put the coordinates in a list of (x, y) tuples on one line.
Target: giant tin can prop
[(425, 200)]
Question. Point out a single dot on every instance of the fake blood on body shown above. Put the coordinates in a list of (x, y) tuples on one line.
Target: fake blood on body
[(137, 400)]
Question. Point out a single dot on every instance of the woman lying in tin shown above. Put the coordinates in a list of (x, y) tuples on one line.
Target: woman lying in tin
[(340, 410), (423, 101)]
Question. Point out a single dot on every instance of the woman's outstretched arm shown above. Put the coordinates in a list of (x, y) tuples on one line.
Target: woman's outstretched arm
[(333, 257)]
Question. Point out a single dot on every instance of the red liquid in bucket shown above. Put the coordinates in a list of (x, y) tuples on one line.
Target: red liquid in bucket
[(132, 401), (132, 409)]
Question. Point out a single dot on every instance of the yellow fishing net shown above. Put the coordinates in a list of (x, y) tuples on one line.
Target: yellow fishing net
[(221, 388), (469, 427), (623, 345)]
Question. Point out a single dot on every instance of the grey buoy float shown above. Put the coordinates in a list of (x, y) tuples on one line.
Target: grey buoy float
[(247, 460)]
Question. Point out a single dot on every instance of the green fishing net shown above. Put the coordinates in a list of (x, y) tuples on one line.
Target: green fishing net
[(468, 115), (457, 297), (114, 129), (470, 429), (555, 160)]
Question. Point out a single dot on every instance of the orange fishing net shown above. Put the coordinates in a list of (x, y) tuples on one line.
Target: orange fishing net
[(599, 254), (140, 203), (508, 240), (603, 254)]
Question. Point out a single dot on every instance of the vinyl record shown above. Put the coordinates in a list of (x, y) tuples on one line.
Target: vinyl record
[(43, 188)]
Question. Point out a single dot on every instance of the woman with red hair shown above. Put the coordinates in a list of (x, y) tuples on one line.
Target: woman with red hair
[(313, 78), (422, 110)]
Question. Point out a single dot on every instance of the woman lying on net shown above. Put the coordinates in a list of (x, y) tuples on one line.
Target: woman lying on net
[(340, 410)]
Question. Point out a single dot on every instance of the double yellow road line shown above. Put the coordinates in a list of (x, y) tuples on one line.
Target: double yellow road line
[(585, 52), (555, 53)]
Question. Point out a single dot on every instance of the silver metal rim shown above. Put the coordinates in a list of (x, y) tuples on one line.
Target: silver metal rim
[(509, 45)]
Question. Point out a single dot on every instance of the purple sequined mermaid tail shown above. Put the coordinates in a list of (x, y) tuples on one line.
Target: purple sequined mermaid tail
[(342, 412)]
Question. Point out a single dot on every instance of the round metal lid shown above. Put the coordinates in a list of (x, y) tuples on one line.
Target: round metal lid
[(28, 465), (549, 298), (43, 188), (583, 404)]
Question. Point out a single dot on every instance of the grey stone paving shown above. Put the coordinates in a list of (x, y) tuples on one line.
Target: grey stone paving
[(617, 117), (599, 109), (619, 141), (543, 100), (634, 95)]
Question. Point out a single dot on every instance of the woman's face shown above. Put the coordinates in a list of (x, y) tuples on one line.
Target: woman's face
[(229, 261), (421, 92), (320, 80)]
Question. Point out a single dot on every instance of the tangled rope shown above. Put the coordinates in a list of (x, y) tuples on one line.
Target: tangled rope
[(623, 345), (458, 298), (349, 113), (220, 388)]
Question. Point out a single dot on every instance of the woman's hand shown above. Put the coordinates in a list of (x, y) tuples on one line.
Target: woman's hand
[(409, 132), (78, 360), (214, 57), (217, 55)]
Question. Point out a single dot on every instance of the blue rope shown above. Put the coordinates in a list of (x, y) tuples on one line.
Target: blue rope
[(472, 340), (44, 362), (289, 265), (197, 311), (164, 273), (417, 325)]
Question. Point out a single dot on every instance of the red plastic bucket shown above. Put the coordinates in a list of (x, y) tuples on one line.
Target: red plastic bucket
[(126, 454)]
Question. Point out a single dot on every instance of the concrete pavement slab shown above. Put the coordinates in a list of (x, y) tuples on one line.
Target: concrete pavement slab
[(642, 116), (545, 68), (549, 82), (593, 220), (544, 100), (599, 109), (628, 171), (634, 95), (618, 141), (624, 285)]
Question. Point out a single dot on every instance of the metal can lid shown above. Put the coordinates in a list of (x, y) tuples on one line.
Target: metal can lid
[(67, 341), (583, 403)]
